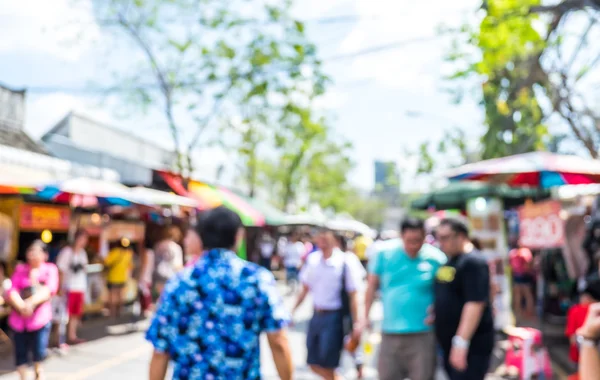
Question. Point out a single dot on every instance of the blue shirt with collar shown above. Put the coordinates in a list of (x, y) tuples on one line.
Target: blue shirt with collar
[(210, 317)]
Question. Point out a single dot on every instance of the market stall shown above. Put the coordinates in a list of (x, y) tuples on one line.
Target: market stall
[(22, 223), (111, 232)]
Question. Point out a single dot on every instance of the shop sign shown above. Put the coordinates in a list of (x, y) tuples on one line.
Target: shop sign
[(540, 225), (42, 217), (117, 230)]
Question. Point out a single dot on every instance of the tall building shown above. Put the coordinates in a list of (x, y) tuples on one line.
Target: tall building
[(387, 182)]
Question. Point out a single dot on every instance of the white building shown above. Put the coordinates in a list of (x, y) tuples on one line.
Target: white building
[(77, 138)]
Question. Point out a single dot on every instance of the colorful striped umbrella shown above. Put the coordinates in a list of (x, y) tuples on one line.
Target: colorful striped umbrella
[(15, 186), (15, 190), (537, 169), (214, 196), (86, 192)]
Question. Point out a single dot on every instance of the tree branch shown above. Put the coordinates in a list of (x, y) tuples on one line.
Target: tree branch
[(165, 87), (582, 42), (208, 119), (562, 7)]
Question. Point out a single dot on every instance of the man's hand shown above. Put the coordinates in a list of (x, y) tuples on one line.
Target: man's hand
[(458, 358), (591, 326), (430, 320), (361, 326)]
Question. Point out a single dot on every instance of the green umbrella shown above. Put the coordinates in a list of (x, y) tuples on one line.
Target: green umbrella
[(242, 250), (456, 194)]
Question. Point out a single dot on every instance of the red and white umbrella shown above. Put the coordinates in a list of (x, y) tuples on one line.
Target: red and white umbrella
[(536, 169)]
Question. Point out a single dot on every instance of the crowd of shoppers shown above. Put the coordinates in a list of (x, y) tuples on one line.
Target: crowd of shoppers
[(436, 303), (211, 315), (47, 300)]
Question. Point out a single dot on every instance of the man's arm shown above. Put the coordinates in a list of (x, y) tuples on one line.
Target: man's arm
[(476, 288), (158, 366), (301, 297), (469, 319), (589, 363), (354, 307), (282, 355), (372, 288)]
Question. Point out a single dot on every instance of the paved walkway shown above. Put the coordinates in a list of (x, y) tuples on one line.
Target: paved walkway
[(122, 354)]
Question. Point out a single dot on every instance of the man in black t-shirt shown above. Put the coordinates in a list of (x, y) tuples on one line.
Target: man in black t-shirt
[(464, 323)]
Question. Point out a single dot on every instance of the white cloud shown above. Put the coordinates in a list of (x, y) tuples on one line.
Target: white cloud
[(44, 111), (47, 26)]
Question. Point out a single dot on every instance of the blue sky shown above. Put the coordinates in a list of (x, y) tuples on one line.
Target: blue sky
[(372, 98)]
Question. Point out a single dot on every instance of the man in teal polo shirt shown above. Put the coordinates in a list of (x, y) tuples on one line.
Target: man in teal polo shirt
[(404, 272)]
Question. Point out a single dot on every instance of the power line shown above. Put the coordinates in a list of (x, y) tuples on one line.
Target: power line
[(381, 48), (340, 19), (337, 58)]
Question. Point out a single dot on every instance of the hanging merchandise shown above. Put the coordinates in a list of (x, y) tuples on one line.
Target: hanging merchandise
[(486, 220)]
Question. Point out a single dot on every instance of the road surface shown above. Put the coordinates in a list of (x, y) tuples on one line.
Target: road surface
[(123, 354)]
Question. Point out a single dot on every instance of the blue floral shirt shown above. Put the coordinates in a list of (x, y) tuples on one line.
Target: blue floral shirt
[(211, 315)]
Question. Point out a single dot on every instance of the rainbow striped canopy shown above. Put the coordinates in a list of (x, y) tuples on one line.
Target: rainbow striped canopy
[(211, 196), (536, 169)]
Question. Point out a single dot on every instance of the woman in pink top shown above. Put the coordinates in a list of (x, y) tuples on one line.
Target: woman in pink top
[(33, 284), (521, 261)]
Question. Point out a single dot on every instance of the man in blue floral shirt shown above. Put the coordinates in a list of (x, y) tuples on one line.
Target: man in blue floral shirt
[(211, 315)]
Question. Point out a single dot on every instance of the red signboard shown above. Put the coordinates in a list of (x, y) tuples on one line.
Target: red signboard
[(42, 217), (541, 226)]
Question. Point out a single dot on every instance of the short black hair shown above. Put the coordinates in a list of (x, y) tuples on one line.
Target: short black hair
[(218, 228), (457, 226), (411, 223)]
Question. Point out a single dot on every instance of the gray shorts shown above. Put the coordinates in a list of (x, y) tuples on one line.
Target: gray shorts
[(410, 356)]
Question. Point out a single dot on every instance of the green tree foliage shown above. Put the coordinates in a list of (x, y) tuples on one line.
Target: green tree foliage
[(369, 210), (521, 54), (505, 49), (307, 159), (451, 150), (197, 60)]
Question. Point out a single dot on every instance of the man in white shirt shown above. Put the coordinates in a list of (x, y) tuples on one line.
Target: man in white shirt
[(292, 260), (72, 261), (329, 278)]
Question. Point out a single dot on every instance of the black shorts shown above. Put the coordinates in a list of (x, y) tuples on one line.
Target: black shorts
[(523, 279), (325, 339), (115, 285)]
